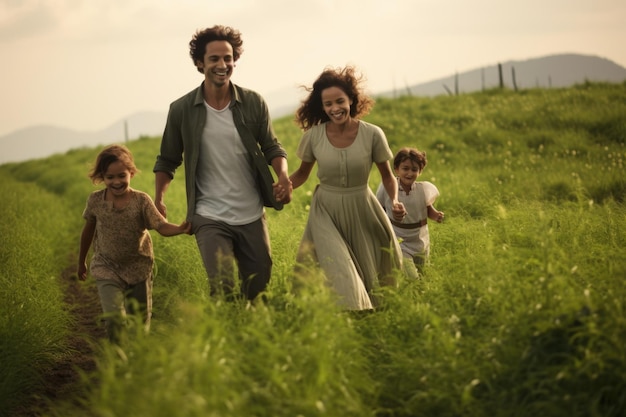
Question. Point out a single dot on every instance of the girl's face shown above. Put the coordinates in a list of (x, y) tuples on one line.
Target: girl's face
[(407, 172), (117, 179), (336, 104)]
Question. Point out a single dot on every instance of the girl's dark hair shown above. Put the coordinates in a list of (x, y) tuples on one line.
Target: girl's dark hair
[(197, 45), (109, 155), (416, 156), (311, 111)]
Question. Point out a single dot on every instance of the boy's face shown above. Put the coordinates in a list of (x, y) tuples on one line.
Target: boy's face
[(407, 172)]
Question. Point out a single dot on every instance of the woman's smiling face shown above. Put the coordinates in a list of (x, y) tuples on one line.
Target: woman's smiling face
[(336, 104)]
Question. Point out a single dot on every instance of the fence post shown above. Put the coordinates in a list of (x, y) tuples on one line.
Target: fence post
[(514, 80)]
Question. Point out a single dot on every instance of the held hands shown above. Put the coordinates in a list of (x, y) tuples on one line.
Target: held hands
[(171, 229), (283, 190), (185, 227), (398, 211)]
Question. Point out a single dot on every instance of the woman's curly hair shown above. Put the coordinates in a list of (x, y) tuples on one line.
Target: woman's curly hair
[(311, 111)]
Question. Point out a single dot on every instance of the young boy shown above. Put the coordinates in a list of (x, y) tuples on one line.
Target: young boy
[(418, 198)]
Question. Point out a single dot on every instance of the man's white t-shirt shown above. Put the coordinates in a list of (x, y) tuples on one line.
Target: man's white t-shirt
[(227, 190)]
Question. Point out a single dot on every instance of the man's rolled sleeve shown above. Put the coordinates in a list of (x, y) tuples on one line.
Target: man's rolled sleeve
[(171, 153), (270, 146)]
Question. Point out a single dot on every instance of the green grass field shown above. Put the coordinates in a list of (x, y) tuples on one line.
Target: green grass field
[(521, 311)]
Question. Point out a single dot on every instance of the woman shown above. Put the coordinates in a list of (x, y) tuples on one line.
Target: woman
[(347, 233)]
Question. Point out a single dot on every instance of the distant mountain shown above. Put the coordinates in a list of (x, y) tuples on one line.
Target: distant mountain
[(546, 72), (550, 71), (45, 140)]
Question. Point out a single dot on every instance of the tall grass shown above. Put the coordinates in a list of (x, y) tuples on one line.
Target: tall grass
[(521, 310), (33, 321)]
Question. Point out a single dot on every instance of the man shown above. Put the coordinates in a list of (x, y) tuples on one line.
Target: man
[(226, 137)]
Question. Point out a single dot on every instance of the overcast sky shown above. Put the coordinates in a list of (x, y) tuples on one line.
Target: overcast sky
[(84, 64)]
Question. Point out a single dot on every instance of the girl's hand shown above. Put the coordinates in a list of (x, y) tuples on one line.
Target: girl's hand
[(82, 272)]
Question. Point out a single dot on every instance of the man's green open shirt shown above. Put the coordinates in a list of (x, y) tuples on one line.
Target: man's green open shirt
[(183, 134)]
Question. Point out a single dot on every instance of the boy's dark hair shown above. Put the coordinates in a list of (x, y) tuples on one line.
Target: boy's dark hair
[(415, 155)]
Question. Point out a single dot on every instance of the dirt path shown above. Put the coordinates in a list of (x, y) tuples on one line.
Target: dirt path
[(61, 382)]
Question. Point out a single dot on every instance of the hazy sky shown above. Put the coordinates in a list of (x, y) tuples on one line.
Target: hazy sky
[(84, 64)]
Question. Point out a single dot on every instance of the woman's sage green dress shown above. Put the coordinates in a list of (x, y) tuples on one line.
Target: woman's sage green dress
[(347, 233)]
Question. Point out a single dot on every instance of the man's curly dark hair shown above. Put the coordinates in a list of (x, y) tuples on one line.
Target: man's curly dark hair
[(197, 45)]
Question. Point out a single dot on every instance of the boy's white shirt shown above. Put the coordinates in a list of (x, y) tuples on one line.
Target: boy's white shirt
[(422, 194)]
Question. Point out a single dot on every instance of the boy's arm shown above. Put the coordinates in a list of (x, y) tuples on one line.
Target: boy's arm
[(435, 214)]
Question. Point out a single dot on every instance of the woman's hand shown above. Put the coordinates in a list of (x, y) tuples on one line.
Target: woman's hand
[(283, 190)]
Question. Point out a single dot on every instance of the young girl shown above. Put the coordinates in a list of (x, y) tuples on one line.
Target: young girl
[(418, 199), (117, 222)]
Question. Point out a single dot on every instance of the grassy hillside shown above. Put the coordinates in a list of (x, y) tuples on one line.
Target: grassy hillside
[(521, 311)]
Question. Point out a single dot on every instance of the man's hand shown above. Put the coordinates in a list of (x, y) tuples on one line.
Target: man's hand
[(283, 190), (160, 205)]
